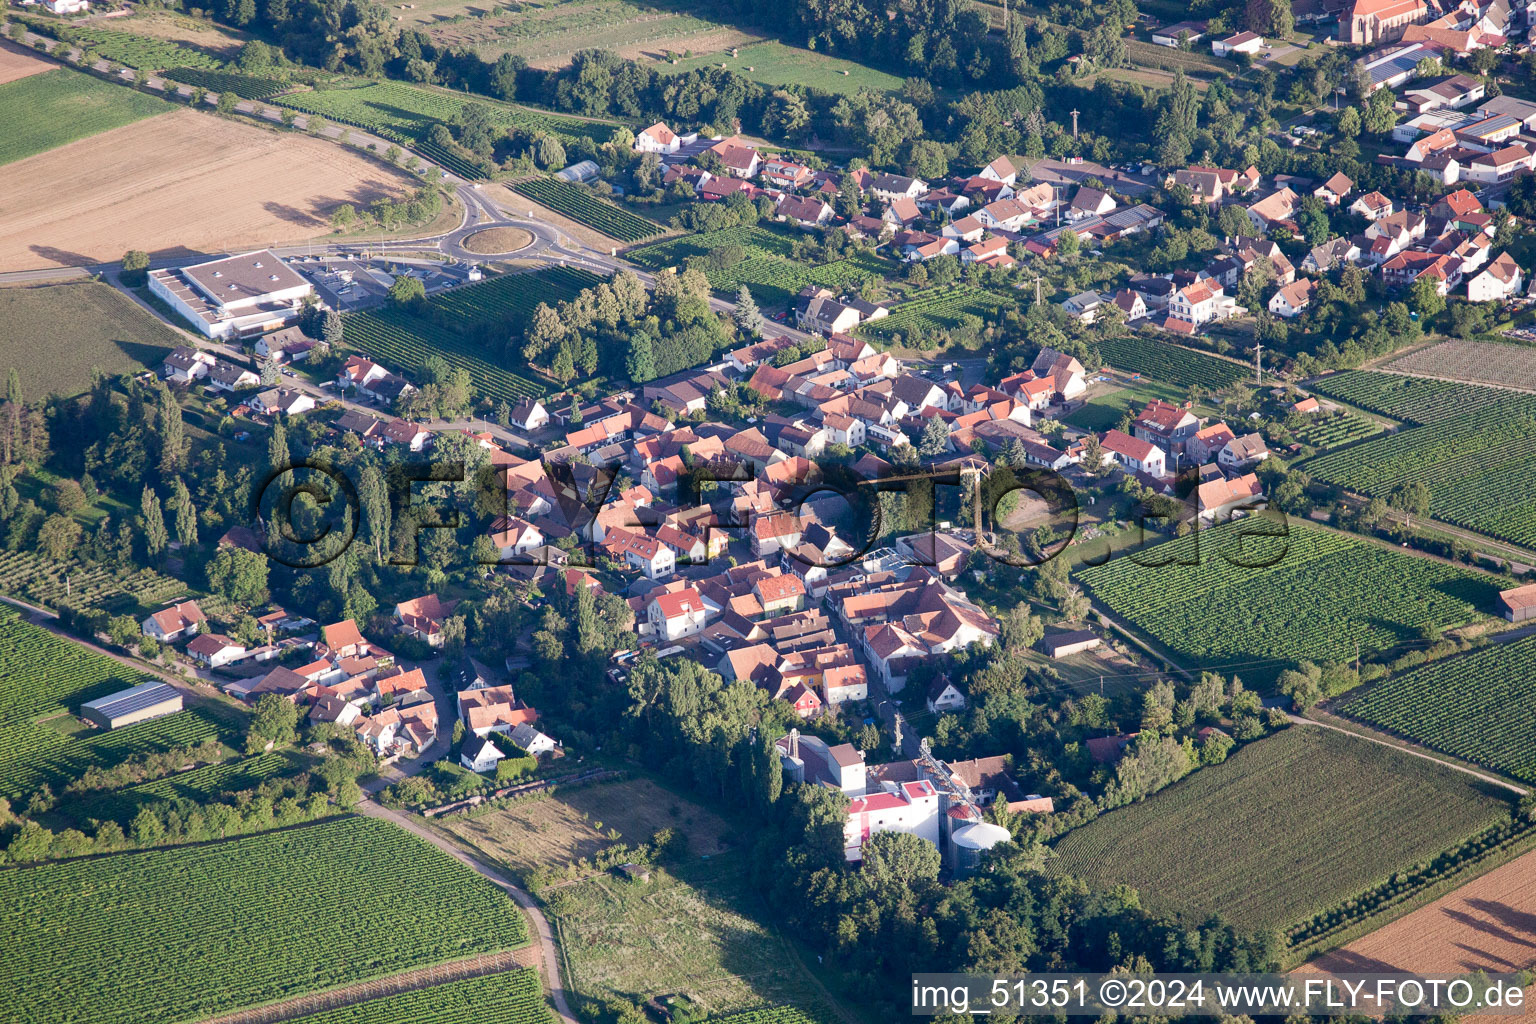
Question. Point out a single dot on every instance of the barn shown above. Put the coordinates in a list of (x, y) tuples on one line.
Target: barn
[(137, 704), (1519, 604)]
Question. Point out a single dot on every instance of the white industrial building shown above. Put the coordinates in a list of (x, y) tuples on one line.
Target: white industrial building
[(249, 294)]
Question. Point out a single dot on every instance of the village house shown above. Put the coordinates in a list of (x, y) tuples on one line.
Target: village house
[(214, 650), (1134, 454), (1293, 299), (1242, 452), (678, 614), (171, 624), (423, 618), (1499, 280), (658, 138)]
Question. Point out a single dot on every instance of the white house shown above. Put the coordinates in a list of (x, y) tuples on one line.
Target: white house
[(175, 622), (1293, 299), (479, 754), (676, 615), (514, 537), (529, 415), (1242, 452), (214, 650), (528, 738), (911, 807), (1134, 454), (944, 696), (67, 6), (658, 138), (1500, 279)]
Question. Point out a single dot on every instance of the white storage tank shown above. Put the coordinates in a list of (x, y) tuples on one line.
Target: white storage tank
[(972, 841)]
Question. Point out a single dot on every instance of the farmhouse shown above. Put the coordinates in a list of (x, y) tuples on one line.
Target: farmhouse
[(214, 650), (135, 704), (658, 138), (174, 622), (236, 297)]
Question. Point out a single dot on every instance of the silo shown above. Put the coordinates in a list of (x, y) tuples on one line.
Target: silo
[(972, 841)]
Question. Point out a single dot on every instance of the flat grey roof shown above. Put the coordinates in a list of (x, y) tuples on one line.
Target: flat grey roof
[(137, 698), (247, 276)]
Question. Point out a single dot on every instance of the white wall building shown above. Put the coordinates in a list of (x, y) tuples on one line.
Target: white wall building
[(253, 293)]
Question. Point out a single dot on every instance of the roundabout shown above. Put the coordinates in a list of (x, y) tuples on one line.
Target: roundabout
[(497, 241)]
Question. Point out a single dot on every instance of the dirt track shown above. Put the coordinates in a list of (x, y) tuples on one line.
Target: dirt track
[(183, 182)]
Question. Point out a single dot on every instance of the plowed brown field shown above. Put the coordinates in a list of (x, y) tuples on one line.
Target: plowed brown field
[(186, 182), (16, 64), (1486, 925)]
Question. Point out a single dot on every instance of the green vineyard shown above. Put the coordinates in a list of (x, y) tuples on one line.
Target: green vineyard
[(583, 207), (41, 580), (1169, 363), (405, 114), (190, 932), (1414, 399), (36, 753), (1333, 431), (1479, 706), (1232, 611), (1288, 827), (143, 52), (469, 325), (515, 997), (212, 779), (1473, 450), (247, 87), (42, 673), (768, 266), (936, 309)]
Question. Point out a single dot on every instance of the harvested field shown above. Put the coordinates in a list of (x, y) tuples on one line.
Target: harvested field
[(16, 63), (182, 183), (496, 241), (1476, 362), (573, 824), (1486, 925)]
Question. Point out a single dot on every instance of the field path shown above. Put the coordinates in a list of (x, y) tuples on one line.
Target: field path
[(1494, 779), (425, 977), (542, 931)]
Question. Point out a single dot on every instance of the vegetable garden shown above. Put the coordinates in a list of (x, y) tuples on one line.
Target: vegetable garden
[(583, 207), (188, 932), (1170, 363), (1288, 827), (470, 326), (512, 997), (769, 268), (1323, 594), (1479, 706)]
